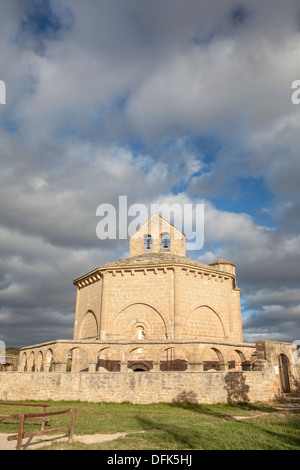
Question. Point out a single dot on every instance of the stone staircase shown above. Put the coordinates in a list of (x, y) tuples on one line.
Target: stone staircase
[(293, 398)]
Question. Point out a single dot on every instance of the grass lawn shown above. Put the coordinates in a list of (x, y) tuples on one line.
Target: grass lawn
[(182, 426)]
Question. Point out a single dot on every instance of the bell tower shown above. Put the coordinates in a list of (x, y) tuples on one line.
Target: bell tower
[(157, 236)]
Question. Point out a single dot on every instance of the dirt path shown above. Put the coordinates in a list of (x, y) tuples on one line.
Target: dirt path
[(41, 441)]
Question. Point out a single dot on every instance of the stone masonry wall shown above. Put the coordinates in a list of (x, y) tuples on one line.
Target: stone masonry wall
[(141, 387), (88, 300), (197, 290)]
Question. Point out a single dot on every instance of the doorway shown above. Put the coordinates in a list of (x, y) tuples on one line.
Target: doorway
[(284, 371)]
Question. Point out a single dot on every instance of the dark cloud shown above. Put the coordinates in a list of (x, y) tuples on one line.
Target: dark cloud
[(274, 322), (239, 15)]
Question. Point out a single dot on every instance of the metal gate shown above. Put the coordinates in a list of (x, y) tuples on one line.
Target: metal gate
[(284, 367)]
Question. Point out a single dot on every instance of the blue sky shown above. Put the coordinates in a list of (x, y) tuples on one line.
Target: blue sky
[(178, 102)]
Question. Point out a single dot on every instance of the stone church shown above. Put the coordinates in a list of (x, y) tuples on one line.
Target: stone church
[(154, 327)]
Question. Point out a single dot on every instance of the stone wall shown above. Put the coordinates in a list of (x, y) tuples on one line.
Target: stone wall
[(10, 364), (142, 387), (139, 297), (207, 306), (88, 303)]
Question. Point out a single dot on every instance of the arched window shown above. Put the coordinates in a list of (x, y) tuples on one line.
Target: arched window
[(165, 242), (148, 243), (140, 334)]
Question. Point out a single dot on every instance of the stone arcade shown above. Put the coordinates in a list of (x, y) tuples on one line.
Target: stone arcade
[(157, 326)]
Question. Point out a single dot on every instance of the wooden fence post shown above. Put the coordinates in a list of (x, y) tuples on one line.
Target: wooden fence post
[(21, 431), (71, 435)]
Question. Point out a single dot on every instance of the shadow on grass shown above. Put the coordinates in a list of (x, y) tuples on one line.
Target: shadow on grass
[(264, 435), (188, 400), (286, 438), (170, 430)]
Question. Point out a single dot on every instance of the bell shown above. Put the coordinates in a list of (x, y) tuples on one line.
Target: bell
[(148, 244), (166, 244)]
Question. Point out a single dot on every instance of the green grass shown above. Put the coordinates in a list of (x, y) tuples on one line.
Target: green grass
[(182, 426)]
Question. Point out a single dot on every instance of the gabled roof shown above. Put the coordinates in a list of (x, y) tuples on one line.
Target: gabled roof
[(152, 218)]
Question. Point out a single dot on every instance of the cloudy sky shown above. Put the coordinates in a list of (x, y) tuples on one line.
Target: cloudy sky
[(164, 101)]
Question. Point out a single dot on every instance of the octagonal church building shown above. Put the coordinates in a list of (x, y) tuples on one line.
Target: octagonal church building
[(158, 293), (156, 326)]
